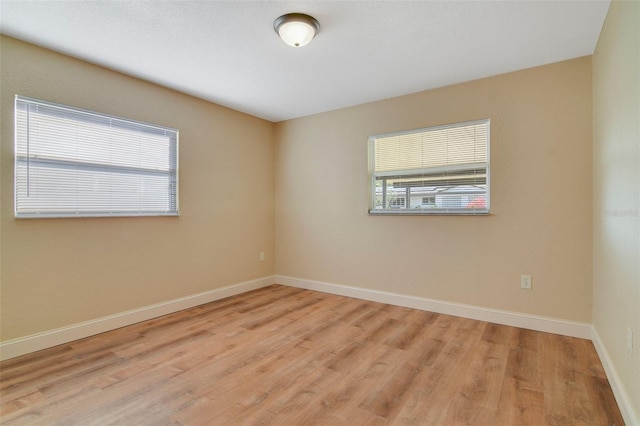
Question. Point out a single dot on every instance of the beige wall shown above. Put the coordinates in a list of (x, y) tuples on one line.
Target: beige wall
[(616, 185), (57, 272), (541, 198)]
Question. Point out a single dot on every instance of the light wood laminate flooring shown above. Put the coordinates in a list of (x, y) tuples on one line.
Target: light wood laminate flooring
[(286, 356)]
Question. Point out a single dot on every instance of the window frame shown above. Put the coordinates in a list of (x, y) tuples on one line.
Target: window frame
[(430, 211), (94, 166)]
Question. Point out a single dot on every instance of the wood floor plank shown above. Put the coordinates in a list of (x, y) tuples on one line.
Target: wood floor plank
[(599, 392), (288, 356), (435, 388), (387, 398), (524, 365), (566, 397), (520, 404), (477, 400)]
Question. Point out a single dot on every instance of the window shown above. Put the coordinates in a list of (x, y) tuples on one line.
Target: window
[(71, 162), (396, 202), (435, 170), (429, 200)]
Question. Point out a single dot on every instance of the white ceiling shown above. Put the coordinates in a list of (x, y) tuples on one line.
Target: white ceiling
[(227, 51)]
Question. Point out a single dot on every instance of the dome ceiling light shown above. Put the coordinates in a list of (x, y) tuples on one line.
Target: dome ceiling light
[(296, 29)]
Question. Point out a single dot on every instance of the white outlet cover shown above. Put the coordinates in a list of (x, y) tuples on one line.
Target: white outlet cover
[(525, 282)]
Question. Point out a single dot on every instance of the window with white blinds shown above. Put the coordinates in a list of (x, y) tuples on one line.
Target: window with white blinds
[(71, 162), (435, 170)]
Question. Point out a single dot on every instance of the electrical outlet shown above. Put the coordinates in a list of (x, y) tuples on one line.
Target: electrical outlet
[(525, 282), (261, 256), (630, 341)]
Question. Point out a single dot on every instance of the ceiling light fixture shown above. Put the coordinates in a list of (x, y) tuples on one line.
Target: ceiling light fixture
[(296, 29)]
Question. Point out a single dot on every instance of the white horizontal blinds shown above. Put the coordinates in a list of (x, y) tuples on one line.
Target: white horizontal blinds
[(72, 162), (432, 170), (440, 147)]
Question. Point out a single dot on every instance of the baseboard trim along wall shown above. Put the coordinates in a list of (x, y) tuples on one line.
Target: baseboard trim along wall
[(514, 319), (36, 342), (59, 336), (629, 414)]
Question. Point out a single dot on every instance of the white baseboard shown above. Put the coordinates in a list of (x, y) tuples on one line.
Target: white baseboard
[(629, 413), (47, 339), (36, 342), (514, 319)]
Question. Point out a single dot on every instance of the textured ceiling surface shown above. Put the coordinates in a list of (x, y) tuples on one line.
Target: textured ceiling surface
[(227, 52)]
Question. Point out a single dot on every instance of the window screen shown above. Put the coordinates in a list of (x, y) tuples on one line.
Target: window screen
[(72, 162), (435, 170)]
